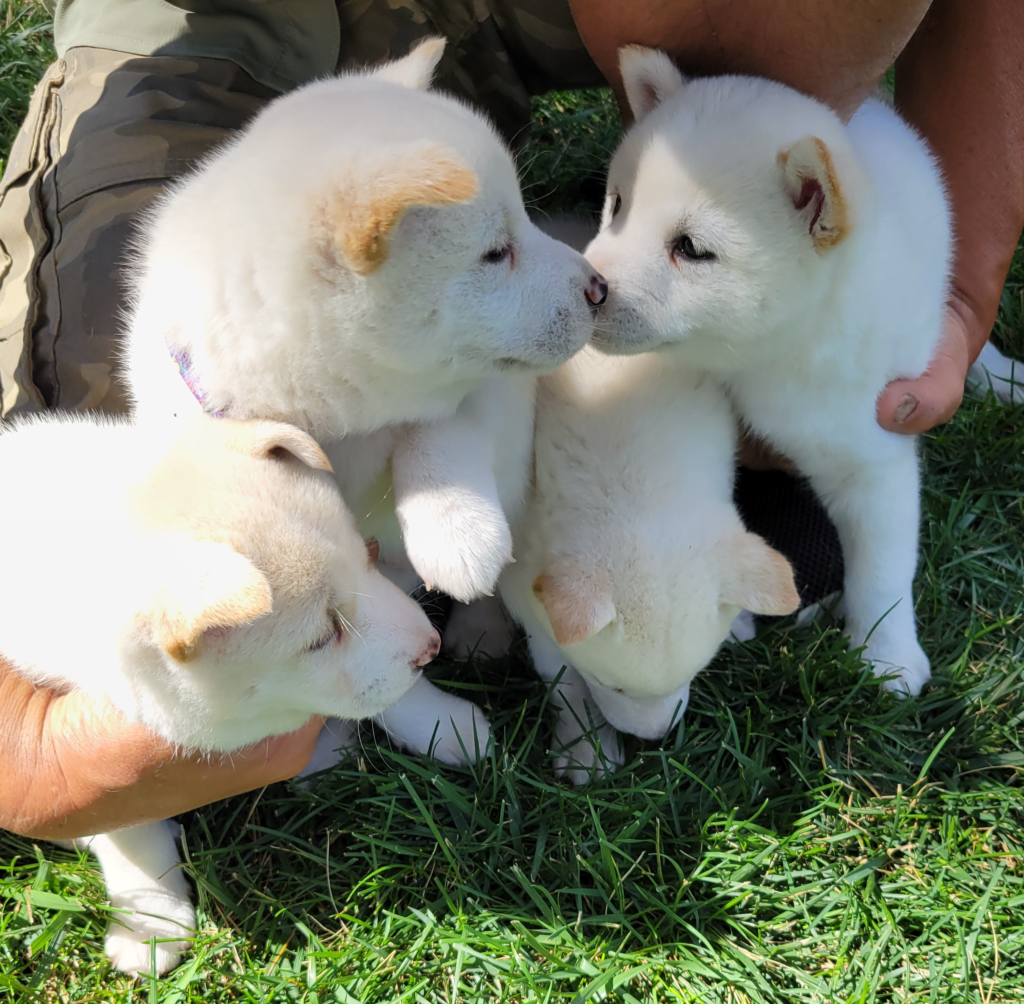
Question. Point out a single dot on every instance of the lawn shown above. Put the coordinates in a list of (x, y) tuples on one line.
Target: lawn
[(804, 837)]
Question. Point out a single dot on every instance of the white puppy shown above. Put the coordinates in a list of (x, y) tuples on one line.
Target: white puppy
[(631, 560), (210, 585), (804, 262), (358, 258)]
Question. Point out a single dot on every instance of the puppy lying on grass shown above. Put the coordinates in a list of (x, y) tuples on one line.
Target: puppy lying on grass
[(632, 564), (207, 582)]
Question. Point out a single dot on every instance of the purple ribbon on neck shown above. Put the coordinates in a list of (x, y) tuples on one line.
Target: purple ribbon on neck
[(183, 360)]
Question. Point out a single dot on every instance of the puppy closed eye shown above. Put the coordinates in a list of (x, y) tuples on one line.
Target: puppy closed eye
[(684, 247), (616, 201), (497, 254), (335, 634)]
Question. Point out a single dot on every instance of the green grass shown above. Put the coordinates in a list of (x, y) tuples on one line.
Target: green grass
[(26, 49), (805, 837)]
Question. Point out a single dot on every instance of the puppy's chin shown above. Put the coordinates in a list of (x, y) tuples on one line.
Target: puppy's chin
[(376, 699), (617, 348), (627, 333)]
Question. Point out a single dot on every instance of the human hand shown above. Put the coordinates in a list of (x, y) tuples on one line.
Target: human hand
[(915, 406), (73, 766)]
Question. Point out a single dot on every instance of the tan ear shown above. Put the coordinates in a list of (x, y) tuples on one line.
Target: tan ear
[(577, 606), (270, 439), (648, 78), (205, 586), (810, 179), (418, 68), (757, 578), (425, 176)]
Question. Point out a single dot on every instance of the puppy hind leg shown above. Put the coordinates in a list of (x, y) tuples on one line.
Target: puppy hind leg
[(144, 881), (429, 720), (587, 747), (876, 511)]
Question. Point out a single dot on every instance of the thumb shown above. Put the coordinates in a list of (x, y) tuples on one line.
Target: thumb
[(915, 406)]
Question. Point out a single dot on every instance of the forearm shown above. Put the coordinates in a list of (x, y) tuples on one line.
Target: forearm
[(73, 766), (45, 793), (960, 81)]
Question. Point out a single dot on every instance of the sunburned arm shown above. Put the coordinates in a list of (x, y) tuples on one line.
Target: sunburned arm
[(73, 767)]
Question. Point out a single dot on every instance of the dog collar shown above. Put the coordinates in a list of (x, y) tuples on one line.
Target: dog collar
[(183, 360)]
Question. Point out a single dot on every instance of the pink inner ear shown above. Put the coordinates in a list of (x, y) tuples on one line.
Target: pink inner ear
[(811, 194)]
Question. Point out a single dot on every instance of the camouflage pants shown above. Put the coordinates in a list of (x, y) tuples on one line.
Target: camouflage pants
[(143, 88)]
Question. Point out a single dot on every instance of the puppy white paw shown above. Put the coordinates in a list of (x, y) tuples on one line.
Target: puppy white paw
[(911, 668), (133, 956), (478, 628), (463, 737), (428, 719), (586, 756), (129, 942), (743, 628), (902, 660), (457, 541)]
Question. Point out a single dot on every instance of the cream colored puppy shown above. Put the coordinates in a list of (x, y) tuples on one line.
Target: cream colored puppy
[(207, 582), (359, 263), (632, 564)]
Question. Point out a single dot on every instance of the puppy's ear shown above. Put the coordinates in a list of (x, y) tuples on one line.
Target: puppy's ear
[(649, 77), (417, 69), (424, 176), (270, 439), (205, 586), (578, 606), (810, 180), (756, 577)]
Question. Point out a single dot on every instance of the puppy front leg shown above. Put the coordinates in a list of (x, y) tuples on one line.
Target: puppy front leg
[(140, 866), (876, 510), (446, 499), (428, 720), (587, 746)]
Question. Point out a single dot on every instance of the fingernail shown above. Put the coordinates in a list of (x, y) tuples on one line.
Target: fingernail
[(905, 409)]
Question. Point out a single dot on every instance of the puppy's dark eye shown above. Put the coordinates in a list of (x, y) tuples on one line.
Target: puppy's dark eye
[(496, 255), (334, 635), (685, 248), (616, 205)]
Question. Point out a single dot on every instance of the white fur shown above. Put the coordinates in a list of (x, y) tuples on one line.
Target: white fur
[(188, 570), (1005, 376), (632, 523), (803, 334), (247, 266)]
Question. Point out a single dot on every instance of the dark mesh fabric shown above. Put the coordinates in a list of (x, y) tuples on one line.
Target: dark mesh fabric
[(785, 511)]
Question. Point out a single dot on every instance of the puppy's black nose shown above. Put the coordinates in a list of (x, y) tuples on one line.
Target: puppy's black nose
[(597, 290)]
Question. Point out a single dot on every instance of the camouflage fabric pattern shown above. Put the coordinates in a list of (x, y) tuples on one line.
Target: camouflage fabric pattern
[(109, 127), (106, 132), (499, 53)]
